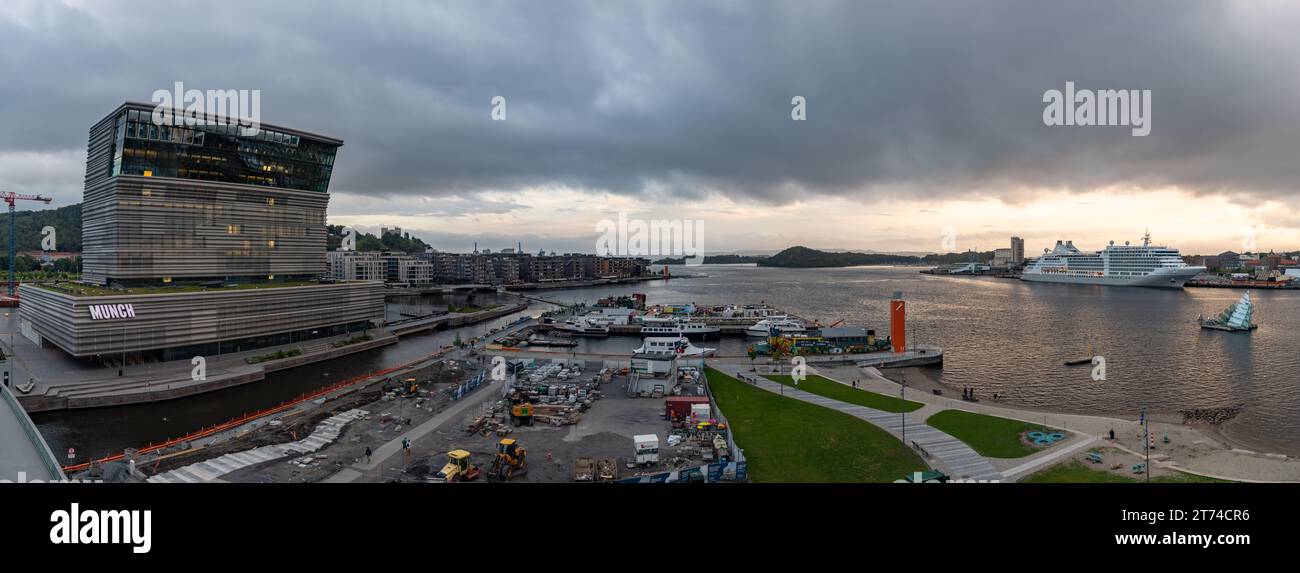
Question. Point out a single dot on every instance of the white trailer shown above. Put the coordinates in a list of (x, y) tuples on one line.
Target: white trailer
[(646, 448)]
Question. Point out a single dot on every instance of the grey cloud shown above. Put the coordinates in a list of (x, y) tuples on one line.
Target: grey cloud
[(684, 99)]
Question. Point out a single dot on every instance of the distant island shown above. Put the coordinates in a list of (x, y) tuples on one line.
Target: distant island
[(715, 260), (804, 257), (801, 257)]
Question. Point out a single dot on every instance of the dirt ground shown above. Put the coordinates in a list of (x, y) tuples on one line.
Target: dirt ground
[(604, 431), (388, 417)]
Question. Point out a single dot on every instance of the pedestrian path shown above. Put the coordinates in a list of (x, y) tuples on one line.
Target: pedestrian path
[(391, 449), (209, 470), (960, 461)]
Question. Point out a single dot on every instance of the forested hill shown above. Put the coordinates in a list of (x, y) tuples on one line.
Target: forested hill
[(65, 220)]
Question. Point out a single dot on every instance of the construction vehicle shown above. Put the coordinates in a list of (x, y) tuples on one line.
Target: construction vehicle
[(458, 468), (511, 460), (522, 413)]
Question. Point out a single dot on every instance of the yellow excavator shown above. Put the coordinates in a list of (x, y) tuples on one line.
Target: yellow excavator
[(511, 460), (458, 468)]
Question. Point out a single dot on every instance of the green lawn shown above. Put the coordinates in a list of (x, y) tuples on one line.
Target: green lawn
[(1076, 471), (989, 435), (822, 386), (788, 441)]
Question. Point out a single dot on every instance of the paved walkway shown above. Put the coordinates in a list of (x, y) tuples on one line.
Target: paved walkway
[(1190, 451), (954, 456), (22, 449), (390, 452)]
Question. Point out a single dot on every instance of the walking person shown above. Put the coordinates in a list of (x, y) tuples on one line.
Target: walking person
[(368, 454)]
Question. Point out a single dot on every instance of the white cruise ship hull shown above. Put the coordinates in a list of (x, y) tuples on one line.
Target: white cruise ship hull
[(1162, 278)]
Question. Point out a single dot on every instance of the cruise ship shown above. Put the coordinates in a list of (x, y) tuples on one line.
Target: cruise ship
[(1116, 265)]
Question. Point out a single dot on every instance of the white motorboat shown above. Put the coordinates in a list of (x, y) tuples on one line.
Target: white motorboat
[(775, 326), (679, 345)]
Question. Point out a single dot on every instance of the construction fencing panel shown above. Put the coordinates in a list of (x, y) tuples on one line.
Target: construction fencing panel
[(737, 453), (710, 473)]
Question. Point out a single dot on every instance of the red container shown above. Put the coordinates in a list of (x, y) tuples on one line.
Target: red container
[(680, 406)]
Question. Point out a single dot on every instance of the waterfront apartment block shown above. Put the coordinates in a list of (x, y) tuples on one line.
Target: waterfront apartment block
[(504, 268), (200, 239)]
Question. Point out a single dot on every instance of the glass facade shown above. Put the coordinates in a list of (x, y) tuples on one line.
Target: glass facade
[(212, 152)]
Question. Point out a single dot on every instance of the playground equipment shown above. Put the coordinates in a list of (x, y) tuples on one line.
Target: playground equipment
[(1044, 438)]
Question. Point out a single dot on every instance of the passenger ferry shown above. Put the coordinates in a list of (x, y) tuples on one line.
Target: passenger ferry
[(680, 328), (679, 345), (775, 325), (1116, 265), (584, 327)]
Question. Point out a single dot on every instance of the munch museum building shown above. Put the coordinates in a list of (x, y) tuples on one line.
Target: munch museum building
[(199, 240)]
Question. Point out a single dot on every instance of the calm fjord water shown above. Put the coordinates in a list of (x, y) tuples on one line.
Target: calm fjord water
[(998, 335), (1010, 337)]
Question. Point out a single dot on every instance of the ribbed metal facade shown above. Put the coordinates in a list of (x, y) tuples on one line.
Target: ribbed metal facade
[(141, 228), (194, 318), (204, 225), (138, 229)]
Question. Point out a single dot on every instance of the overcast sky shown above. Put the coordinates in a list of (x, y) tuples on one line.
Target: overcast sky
[(920, 115)]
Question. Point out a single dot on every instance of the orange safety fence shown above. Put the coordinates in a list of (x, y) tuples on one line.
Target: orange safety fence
[(244, 419)]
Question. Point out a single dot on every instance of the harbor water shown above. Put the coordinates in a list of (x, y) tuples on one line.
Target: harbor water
[(999, 335)]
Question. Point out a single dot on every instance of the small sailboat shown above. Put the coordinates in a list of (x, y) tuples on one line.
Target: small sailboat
[(1084, 360), (1235, 318)]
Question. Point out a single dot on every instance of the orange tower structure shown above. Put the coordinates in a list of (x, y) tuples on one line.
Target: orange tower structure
[(898, 324)]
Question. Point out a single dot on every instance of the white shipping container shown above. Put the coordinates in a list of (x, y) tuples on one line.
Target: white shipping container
[(701, 411)]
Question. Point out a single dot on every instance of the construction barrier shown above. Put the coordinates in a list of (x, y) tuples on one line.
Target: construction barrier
[(737, 453), (710, 473), (246, 418)]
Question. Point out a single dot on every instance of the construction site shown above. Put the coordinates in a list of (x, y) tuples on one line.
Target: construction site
[(570, 421), (448, 421)]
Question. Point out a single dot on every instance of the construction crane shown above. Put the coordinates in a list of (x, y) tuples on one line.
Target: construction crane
[(10, 197)]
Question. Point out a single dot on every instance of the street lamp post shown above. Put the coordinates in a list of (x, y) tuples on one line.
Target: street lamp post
[(1146, 442), (902, 394)]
